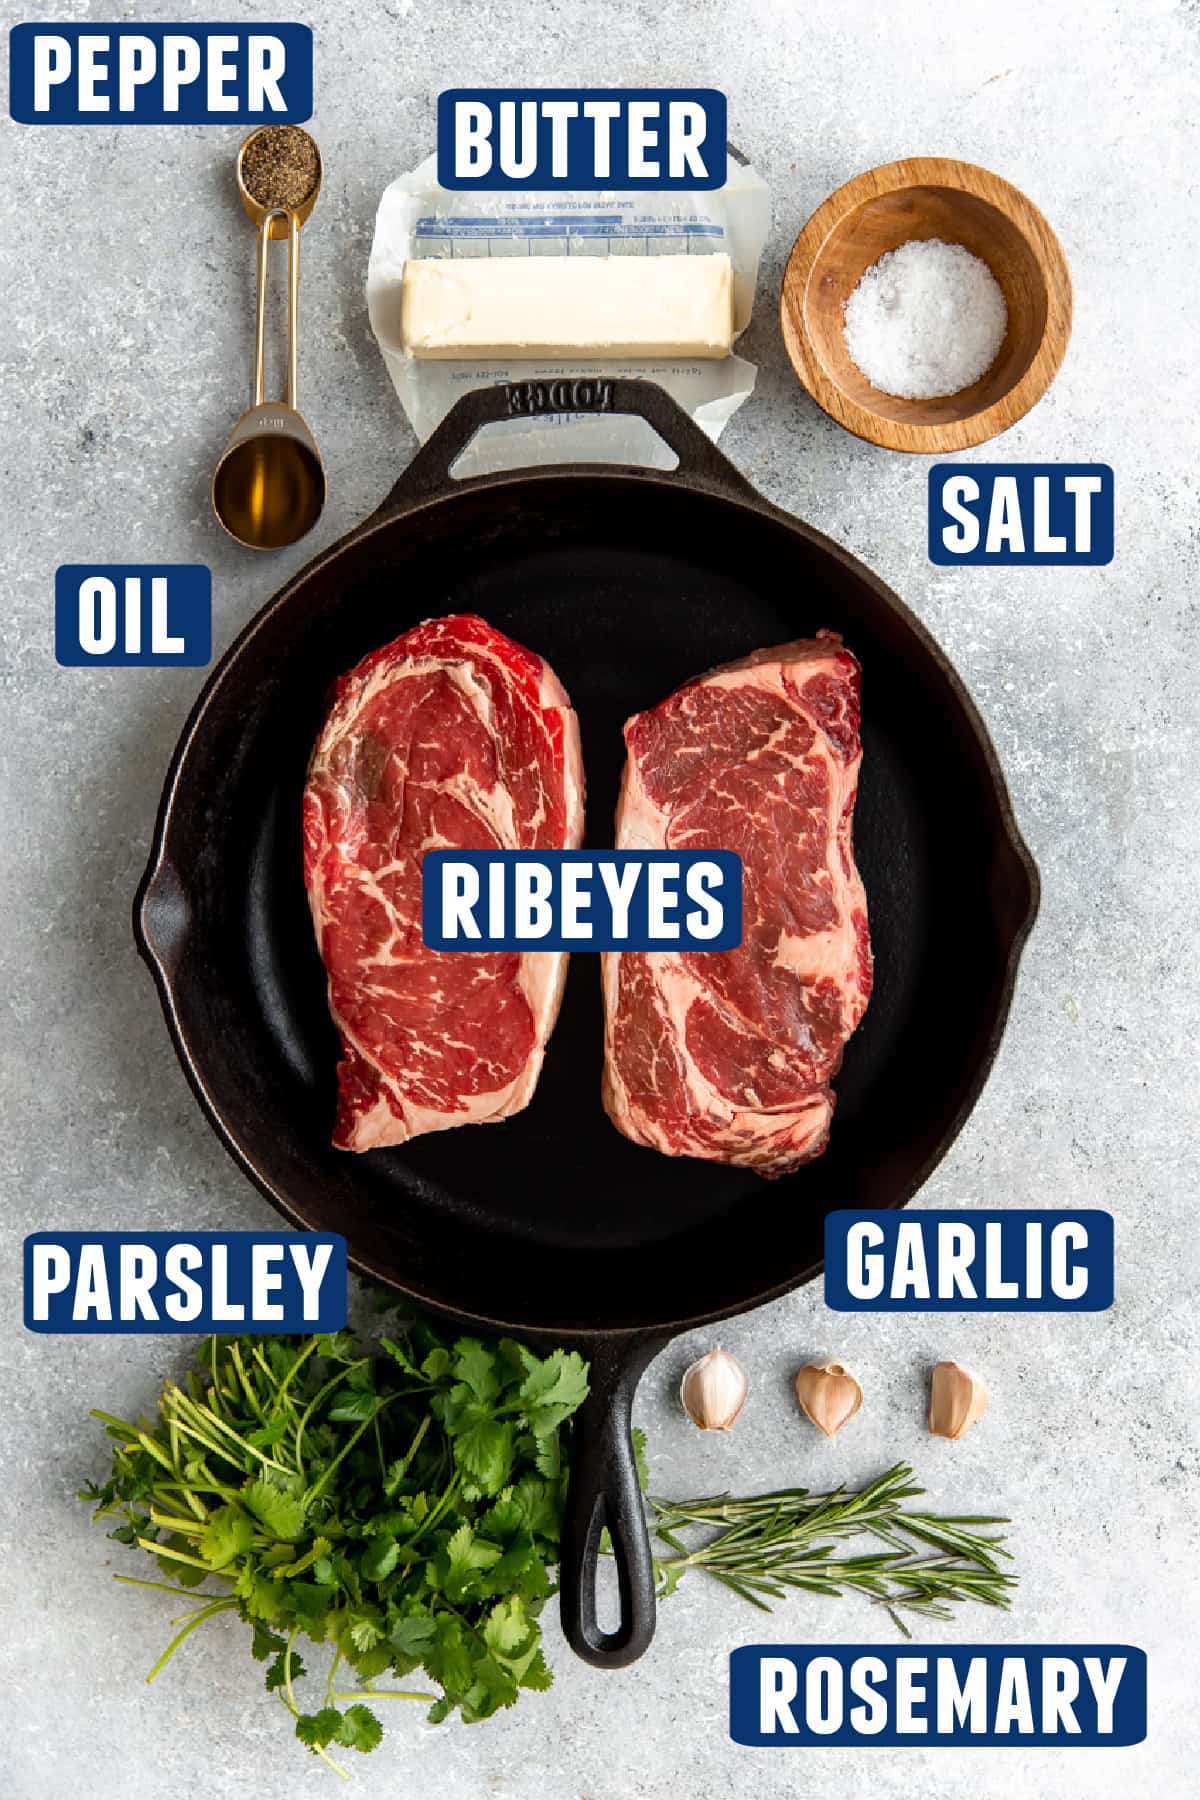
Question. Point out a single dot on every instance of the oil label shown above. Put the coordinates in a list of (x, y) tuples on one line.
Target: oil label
[(133, 615)]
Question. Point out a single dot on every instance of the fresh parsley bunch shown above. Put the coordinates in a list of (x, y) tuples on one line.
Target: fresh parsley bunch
[(402, 1507)]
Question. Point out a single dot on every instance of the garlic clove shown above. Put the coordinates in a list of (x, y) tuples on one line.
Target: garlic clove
[(956, 1399), (829, 1395), (713, 1390)]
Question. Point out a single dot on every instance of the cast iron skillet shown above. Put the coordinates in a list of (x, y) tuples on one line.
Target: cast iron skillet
[(553, 1225)]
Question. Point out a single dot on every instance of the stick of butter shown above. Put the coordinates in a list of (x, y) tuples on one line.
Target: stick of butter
[(559, 308)]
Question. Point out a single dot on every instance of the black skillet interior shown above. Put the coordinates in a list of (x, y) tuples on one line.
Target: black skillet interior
[(628, 583)]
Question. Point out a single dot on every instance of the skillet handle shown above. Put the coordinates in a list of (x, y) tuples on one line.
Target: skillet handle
[(604, 1491), (428, 477)]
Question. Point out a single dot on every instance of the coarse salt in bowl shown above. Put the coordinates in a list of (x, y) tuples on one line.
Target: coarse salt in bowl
[(912, 205), (927, 319)]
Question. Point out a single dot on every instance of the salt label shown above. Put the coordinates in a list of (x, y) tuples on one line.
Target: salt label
[(1057, 514)]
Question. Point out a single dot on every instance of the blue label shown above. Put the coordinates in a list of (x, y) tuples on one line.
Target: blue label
[(132, 615), (581, 900), (665, 139), (1021, 513), (860, 1694), (971, 1261), (140, 74), (142, 1283)]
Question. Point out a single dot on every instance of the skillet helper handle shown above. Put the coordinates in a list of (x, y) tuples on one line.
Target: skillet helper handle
[(428, 475), (604, 1493)]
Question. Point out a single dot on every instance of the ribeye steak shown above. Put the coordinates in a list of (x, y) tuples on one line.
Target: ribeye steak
[(452, 737), (728, 1056)]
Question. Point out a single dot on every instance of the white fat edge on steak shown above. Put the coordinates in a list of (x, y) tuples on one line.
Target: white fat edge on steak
[(795, 1130), (541, 974)]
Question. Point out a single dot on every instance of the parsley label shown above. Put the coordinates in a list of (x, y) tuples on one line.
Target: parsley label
[(161, 1281)]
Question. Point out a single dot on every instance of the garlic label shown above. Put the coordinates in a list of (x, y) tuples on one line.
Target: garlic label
[(714, 1391)]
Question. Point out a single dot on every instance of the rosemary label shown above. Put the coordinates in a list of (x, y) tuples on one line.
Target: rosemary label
[(1015, 1694)]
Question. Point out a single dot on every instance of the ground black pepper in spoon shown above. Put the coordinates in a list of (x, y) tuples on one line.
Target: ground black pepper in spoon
[(281, 166)]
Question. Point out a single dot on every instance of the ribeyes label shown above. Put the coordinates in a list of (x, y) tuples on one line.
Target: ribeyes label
[(581, 900)]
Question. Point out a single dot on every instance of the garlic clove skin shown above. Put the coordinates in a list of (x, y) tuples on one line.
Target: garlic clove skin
[(829, 1395), (956, 1399), (713, 1391)]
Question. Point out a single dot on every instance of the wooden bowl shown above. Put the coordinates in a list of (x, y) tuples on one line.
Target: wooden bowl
[(927, 197)]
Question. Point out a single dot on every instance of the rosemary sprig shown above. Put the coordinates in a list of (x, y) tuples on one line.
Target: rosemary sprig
[(762, 1546)]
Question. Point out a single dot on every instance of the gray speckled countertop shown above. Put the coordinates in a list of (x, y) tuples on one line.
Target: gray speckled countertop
[(127, 275)]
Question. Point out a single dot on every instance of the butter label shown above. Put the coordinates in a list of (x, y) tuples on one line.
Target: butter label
[(544, 139)]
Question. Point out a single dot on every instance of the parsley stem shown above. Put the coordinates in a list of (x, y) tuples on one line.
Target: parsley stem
[(320, 1394), (191, 1491), (251, 1397), (291, 1701), (287, 1668), (206, 1612), (383, 1694), (289, 1374), (170, 1523), (418, 1439), (160, 1456), (198, 1419), (435, 1514), (175, 1555), (112, 1419), (314, 1490), (166, 1587)]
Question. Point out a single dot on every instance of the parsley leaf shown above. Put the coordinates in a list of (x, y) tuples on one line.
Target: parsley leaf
[(282, 1513), (316, 1729), (359, 1729), (228, 1534), (381, 1557)]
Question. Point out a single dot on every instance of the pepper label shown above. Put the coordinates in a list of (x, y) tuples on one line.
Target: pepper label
[(160, 74)]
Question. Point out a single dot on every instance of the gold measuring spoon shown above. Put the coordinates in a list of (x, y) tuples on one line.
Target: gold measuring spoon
[(269, 486)]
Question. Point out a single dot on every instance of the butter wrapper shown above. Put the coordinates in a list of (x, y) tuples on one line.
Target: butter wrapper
[(418, 218)]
